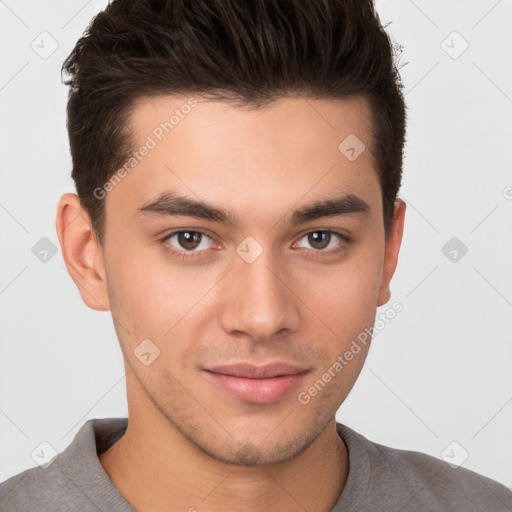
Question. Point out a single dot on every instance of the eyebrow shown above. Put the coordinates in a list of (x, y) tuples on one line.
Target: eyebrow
[(175, 205)]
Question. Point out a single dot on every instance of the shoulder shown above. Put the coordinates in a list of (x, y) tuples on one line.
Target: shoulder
[(33, 488), (417, 481), (439, 483), (73, 480)]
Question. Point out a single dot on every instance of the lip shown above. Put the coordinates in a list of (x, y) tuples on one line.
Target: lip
[(250, 371), (257, 384)]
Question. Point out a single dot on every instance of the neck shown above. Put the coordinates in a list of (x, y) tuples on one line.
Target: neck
[(157, 469)]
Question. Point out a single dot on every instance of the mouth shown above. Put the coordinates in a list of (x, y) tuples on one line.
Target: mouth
[(256, 384)]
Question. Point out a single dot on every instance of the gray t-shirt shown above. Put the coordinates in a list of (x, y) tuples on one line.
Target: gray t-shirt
[(380, 479)]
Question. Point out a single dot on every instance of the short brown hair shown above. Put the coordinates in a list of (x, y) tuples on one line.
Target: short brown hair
[(249, 52)]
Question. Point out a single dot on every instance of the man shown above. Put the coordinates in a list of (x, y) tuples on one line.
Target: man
[(237, 166)]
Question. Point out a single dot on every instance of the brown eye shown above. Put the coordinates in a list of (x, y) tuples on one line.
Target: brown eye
[(324, 242), (319, 239), (188, 241)]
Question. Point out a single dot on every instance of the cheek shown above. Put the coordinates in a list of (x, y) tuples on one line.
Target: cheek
[(152, 297), (140, 295), (345, 295)]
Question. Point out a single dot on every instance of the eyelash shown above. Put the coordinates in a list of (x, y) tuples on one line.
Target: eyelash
[(321, 253)]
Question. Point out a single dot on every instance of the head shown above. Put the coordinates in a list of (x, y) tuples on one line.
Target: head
[(237, 165)]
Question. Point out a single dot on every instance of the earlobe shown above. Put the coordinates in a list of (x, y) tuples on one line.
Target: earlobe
[(82, 253), (392, 250), (384, 295)]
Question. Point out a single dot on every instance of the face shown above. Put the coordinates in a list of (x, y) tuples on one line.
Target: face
[(230, 312)]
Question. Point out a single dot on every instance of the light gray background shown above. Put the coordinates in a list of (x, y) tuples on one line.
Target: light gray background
[(438, 373)]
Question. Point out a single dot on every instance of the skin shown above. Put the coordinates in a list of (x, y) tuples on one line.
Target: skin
[(189, 444)]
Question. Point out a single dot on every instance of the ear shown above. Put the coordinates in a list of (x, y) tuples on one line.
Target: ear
[(392, 249), (82, 252)]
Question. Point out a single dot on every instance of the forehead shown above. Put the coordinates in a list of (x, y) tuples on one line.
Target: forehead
[(267, 157), (303, 118)]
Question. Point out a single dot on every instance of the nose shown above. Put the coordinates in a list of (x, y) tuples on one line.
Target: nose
[(259, 302)]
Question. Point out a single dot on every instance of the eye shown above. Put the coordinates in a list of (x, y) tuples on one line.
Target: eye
[(324, 240), (191, 243), (187, 241)]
